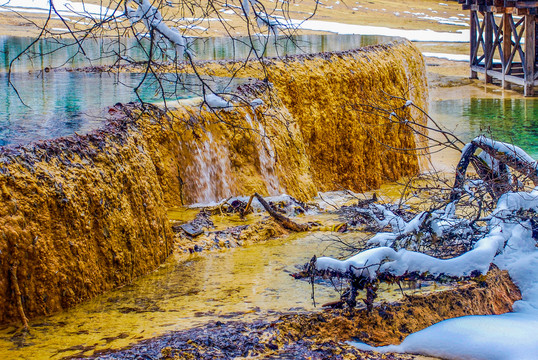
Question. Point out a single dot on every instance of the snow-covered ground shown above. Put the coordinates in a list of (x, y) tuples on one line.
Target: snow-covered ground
[(447, 56), (63, 8), (412, 35), (509, 336)]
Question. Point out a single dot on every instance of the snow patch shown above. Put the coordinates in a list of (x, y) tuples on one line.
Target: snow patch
[(412, 35)]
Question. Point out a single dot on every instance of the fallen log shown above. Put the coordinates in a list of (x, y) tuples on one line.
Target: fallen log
[(507, 155), (281, 219)]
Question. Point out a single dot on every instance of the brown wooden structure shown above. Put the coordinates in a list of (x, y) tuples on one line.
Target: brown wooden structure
[(503, 41)]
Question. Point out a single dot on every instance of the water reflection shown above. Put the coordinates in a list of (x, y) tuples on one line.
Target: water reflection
[(50, 104), (57, 52), (509, 120), (53, 104)]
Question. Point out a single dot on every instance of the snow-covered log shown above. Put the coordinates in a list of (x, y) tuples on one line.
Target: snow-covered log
[(497, 156), (504, 230)]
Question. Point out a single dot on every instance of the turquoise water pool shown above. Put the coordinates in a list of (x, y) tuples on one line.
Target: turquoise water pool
[(513, 120), (48, 104)]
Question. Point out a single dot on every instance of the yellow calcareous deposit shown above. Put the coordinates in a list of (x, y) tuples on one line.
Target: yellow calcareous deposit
[(84, 214)]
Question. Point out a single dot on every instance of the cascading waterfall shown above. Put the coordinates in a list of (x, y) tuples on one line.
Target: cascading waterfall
[(103, 197), (267, 158)]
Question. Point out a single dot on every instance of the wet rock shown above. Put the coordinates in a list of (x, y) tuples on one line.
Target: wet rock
[(191, 230)]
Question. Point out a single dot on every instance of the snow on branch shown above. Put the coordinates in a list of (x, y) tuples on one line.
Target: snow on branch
[(508, 228), (492, 165), (152, 19), (504, 231), (510, 154)]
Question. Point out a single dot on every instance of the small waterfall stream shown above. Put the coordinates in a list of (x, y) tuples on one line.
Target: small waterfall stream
[(267, 158), (210, 171)]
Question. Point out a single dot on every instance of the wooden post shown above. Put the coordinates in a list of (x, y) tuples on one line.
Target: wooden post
[(488, 42), (507, 47), (530, 53), (473, 44)]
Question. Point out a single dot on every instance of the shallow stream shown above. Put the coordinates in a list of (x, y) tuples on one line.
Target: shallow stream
[(236, 284)]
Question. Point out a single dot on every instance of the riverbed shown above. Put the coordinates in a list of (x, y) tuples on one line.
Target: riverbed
[(243, 283)]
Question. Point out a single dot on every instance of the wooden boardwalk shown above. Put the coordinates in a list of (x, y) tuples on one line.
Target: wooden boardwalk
[(503, 41)]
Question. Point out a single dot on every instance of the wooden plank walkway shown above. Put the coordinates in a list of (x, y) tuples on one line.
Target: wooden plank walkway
[(503, 41)]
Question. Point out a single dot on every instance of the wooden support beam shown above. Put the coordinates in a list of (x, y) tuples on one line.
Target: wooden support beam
[(473, 44), (514, 41), (530, 53), (488, 43), (526, 4), (507, 47)]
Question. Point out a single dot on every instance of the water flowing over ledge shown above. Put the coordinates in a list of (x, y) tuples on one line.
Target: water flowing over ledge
[(83, 214)]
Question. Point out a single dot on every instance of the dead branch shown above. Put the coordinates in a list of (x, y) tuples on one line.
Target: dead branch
[(281, 219), (18, 296), (511, 159), (497, 180)]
